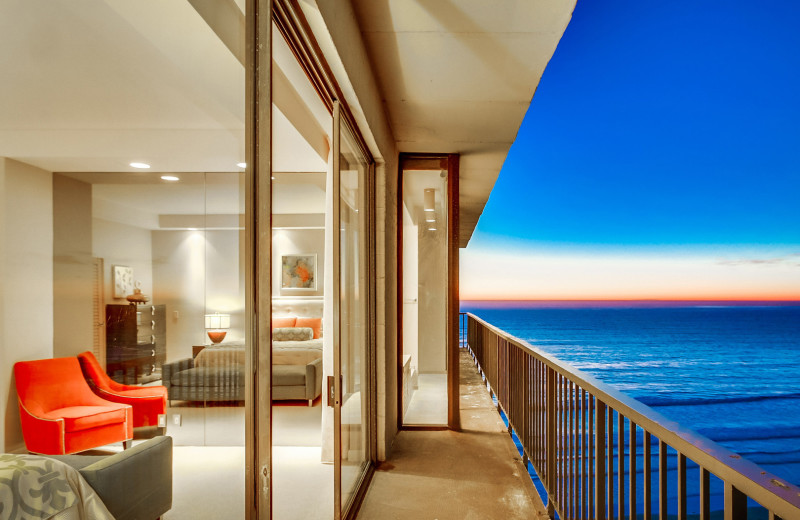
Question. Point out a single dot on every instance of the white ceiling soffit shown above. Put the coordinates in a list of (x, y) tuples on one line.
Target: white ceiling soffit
[(197, 200), (458, 77)]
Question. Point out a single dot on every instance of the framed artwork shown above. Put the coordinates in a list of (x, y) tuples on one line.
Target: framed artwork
[(299, 272), (122, 280)]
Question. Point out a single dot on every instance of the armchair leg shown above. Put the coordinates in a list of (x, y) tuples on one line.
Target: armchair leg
[(127, 444)]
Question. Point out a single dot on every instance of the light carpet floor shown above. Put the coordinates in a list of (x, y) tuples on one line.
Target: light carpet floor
[(208, 480)]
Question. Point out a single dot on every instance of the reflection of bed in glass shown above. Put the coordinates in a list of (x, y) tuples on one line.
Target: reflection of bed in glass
[(216, 374), (136, 338)]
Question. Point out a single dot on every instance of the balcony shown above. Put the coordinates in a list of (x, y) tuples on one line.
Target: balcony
[(592, 451), (598, 453), (474, 473)]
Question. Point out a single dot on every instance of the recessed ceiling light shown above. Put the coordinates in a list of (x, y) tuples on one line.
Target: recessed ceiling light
[(433, 219), (241, 164), (171, 178), (429, 199), (140, 165), (431, 229)]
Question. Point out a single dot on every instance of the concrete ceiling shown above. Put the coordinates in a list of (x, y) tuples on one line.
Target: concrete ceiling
[(458, 76)]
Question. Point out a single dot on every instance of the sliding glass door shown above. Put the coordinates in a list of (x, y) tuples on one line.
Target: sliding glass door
[(352, 293)]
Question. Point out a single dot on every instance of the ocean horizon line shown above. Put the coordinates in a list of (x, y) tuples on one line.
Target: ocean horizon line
[(623, 303)]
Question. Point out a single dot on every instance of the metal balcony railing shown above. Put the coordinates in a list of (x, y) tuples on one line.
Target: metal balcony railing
[(601, 454)]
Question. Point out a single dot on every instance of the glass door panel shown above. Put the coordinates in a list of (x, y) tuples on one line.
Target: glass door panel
[(352, 353), (424, 292)]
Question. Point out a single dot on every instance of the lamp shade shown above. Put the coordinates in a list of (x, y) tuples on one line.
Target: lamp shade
[(218, 321)]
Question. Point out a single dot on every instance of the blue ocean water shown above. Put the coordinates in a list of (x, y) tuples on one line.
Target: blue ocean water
[(729, 373)]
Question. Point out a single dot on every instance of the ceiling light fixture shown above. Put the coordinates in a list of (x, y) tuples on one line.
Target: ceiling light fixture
[(430, 199), (431, 229), (241, 164), (140, 165), (170, 178), (430, 218)]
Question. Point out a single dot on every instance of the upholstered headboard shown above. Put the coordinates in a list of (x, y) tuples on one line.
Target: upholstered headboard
[(297, 307)]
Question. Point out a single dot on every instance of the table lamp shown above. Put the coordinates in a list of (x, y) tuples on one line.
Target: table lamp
[(217, 325)]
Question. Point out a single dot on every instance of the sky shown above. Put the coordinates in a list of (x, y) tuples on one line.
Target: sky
[(659, 159)]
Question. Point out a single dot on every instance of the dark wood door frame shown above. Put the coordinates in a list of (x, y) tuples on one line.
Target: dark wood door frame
[(449, 163)]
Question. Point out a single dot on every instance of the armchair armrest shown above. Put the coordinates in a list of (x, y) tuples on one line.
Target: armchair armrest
[(46, 435), (137, 482), (314, 379)]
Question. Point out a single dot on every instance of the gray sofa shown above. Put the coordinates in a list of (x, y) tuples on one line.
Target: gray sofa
[(135, 484)]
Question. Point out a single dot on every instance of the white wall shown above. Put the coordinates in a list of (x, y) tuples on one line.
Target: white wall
[(410, 289), (197, 273), (432, 285), (26, 281), (121, 244), (297, 241), (73, 270)]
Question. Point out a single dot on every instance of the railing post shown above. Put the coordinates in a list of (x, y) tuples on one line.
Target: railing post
[(599, 460), (551, 454), (735, 503)]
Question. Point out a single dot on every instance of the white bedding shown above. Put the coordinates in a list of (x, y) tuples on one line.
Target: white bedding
[(283, 353), (296, 352)]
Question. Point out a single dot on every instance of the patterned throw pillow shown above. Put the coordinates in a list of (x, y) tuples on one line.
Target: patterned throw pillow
[(292, 334)]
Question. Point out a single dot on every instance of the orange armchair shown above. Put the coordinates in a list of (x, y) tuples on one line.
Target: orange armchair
[(59, 412), (148, 402)]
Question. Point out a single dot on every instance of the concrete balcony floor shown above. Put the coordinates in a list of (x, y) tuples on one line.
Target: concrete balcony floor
[(476, 473)]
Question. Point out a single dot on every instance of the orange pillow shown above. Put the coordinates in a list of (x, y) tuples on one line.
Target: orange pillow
[(314, 323), (283, 322)]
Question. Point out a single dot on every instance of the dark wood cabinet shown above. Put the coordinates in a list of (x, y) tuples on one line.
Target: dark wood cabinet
[(136, 342)]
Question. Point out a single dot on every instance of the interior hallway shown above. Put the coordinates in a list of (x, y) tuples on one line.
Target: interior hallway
[(473, 474)]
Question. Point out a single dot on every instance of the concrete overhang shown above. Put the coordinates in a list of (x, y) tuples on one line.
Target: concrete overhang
[(458, 77)]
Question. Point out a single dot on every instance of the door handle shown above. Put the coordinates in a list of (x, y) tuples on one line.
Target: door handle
[(331, 391)]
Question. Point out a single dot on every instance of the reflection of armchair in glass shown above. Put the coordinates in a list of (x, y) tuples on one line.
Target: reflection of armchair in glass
[(148, 402), (59, 412)]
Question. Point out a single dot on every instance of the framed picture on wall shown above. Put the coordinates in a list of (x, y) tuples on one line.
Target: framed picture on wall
[(299, 272), (123, 281)]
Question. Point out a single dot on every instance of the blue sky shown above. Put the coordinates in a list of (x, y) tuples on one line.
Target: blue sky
[(662, 146)]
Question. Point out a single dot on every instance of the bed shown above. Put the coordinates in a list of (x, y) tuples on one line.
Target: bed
[(217, 373)]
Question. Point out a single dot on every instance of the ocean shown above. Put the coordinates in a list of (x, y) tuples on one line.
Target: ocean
[(731, 374)]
